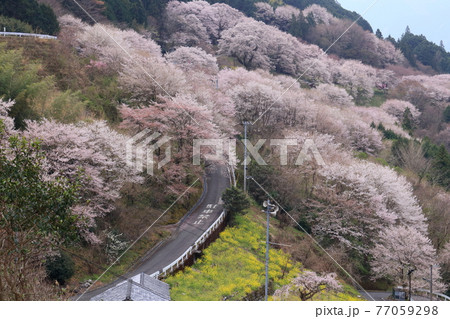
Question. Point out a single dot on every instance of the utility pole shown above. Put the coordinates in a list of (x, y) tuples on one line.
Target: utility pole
[(431, 283), (270, 210), (409, 277), (267, 251), (246, 123)]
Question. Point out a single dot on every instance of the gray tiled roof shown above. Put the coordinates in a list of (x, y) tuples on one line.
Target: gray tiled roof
[(147, 289)]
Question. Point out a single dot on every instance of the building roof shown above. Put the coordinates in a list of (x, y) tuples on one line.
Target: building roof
[(139, 288)]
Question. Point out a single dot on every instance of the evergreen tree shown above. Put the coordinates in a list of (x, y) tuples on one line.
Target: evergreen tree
[(408, 30), (235, 201), (298, 26), (60, 267), (418, 48), (447, 114), (408, 122), (379, 34), (441, 167), (35, 215), (392, 40)]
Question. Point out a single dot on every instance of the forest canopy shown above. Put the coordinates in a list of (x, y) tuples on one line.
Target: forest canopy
[(40, 16)]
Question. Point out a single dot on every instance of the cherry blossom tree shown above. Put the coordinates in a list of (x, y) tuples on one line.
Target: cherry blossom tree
[(363, 137), (386, 79), (173, 116), (386, 52), (444, 260), (437, 87), (190, 58), (93, 151), (143, 72), (146, 79), (257, 45), (264, 12), (333, 95), (205, 89), (444, 137), (70, 27), (346, 218), (358, 78), (388, 191), (348, 128), (283, 16), (397, 108), (182, 119), (319, 14), (71, 23), (183, 25), (198, 22), (248, 42), (358, 200), (218, 18), (257, 93), (114, 46), (376, 116), (308, 284), (400, 249), (412, 157), (371, 50), (444, 256), (6, 121)]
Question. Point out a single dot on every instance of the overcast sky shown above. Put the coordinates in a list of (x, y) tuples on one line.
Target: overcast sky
[(428, 17)]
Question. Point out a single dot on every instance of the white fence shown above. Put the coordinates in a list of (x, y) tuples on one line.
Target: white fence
[(435, 294), (188, 253), (30, 35)]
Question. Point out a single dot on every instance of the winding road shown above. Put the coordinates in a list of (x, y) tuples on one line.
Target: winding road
[(193, 225)]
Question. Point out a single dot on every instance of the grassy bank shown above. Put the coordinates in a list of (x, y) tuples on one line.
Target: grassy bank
[(232, 268)]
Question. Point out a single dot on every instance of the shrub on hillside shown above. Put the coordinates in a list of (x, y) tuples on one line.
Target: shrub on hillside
[(60, 267), (235, 201)]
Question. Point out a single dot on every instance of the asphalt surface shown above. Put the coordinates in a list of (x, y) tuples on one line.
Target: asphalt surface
[(199, 219), (384, 296)]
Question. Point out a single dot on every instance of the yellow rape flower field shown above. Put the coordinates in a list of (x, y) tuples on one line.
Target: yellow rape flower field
[(232, 268)]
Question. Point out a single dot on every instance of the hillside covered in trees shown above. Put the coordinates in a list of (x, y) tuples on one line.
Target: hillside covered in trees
[(39, 16), (196, 70)]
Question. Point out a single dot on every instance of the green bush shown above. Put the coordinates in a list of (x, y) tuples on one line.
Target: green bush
[(60, 268), (362, 155), (381, 161), (447, 114), (235, 201)]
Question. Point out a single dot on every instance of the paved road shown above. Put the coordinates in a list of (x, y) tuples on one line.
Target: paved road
[(206, 211), (384, 296), (377, 295)]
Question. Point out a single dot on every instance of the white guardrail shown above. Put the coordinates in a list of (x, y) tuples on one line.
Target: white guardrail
[(445, 297), (32, 35), (180, 260)]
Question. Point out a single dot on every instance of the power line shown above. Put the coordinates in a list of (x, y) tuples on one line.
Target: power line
[(246, 123)]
